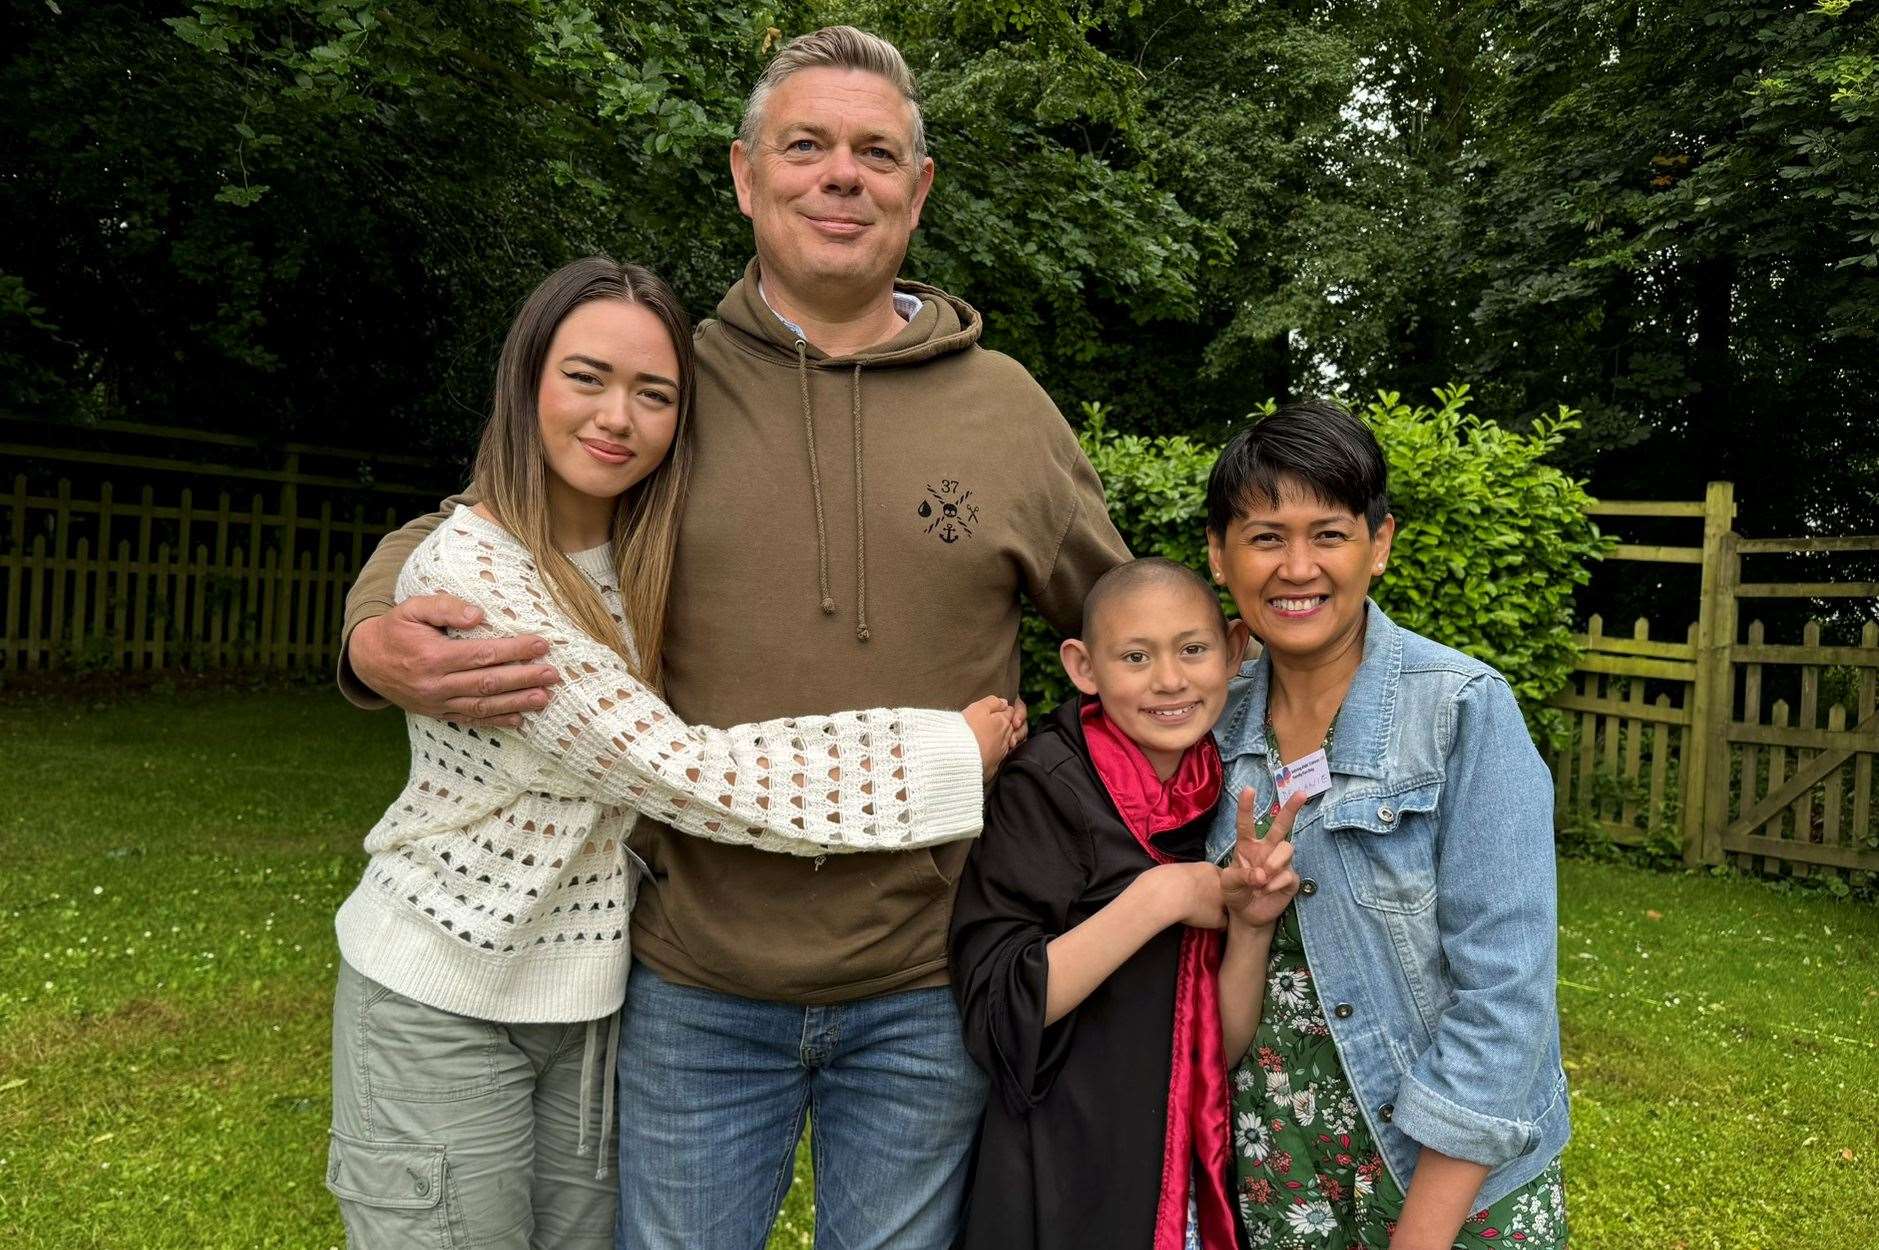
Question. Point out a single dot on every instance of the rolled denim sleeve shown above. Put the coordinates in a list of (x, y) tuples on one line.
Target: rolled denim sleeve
[(1468, 1094)]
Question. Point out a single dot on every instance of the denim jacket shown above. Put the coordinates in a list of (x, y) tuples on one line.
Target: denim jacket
[(1427, 903)]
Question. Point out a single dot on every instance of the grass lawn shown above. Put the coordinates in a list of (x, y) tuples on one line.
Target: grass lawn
[(173, 862)]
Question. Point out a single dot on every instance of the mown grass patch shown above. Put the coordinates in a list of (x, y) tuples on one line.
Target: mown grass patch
[(1722, 1036), (166, 962)]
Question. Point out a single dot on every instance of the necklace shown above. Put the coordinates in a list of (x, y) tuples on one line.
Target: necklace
[(1272, 737)]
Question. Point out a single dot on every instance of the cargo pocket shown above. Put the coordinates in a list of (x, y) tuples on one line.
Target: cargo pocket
[(391, 1193), (412, 1052)]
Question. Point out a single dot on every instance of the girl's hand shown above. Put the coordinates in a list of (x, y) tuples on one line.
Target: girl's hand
[(1187, 894), (1260, 884), (999, 725)]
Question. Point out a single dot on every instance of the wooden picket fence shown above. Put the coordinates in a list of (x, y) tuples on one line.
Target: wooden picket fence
[(1674, 741), (1621, 766), (1690, 740), (192, 575)]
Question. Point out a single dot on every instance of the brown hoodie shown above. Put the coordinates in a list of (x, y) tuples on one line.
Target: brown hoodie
[(945, 484)]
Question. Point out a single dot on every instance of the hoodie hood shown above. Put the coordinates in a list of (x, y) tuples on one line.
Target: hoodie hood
[(944, 324)]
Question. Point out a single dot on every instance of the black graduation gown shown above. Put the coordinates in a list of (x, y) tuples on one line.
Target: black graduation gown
[(1070, 1154)]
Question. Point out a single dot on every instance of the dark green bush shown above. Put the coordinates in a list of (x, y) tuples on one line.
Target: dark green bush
[(1491, 540), (1156, 488)]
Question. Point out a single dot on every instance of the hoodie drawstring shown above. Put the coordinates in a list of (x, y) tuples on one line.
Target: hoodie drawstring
[(861, 531), (815, 479), (815, 490)]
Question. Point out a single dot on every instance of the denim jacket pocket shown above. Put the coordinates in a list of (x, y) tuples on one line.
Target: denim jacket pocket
[(1387, 843)]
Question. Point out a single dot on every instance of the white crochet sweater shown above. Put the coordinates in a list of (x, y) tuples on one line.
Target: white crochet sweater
[(500, 882)]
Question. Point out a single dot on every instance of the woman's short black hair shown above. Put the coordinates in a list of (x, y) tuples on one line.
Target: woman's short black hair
[(1314, 443)]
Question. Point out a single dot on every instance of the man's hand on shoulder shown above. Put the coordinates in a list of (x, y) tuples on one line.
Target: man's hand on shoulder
[(406, 656)]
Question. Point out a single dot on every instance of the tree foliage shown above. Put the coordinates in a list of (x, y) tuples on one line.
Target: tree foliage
[(318, 214), (1672, 217)]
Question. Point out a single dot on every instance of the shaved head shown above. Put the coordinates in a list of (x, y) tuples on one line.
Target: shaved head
[(1121, 583)]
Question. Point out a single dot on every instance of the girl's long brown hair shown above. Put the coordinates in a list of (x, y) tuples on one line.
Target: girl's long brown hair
[(512, 469)]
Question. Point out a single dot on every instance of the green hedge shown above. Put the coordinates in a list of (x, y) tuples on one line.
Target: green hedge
[(1491, 540)]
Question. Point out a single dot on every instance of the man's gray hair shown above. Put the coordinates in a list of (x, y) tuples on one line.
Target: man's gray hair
[(835, 47)]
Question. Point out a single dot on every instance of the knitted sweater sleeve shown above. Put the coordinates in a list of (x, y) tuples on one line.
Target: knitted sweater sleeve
[(884, 779)]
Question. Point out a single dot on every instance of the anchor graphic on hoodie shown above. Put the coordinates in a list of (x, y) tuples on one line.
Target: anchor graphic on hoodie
[(955, 514)]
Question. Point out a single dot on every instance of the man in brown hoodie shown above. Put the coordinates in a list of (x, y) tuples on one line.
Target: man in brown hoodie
[(873, 492)]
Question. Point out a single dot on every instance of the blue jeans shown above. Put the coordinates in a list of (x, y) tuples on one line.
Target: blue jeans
[(713, 1090)]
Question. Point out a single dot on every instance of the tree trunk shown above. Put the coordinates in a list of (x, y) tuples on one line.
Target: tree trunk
[(1712, 365), (1279, 367)]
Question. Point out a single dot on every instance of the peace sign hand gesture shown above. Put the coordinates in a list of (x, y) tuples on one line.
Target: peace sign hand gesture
[(1259, 884)]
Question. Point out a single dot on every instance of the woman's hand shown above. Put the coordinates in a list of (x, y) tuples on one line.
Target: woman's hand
[(999, 725), (1259, 885), (1187, 893)]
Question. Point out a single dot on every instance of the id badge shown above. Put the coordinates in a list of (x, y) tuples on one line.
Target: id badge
[(1310, 776)]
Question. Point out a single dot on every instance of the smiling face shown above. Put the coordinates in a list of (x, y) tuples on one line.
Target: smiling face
[(1159, 658), (832, 186), (1300, 569), (608, 404)]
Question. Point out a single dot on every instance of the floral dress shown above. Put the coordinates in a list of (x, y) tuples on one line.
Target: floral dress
[(1309, 1175)]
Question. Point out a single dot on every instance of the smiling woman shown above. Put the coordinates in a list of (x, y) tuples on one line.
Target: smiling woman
[(589, 442), (1404, 1087), (1299, 526), (609, 410)]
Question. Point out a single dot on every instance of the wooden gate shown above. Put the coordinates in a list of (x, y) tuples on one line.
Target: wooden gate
[(1728, 745), (1802, 792)]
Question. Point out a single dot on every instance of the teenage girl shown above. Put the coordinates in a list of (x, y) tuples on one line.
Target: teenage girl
[(486, 946)]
